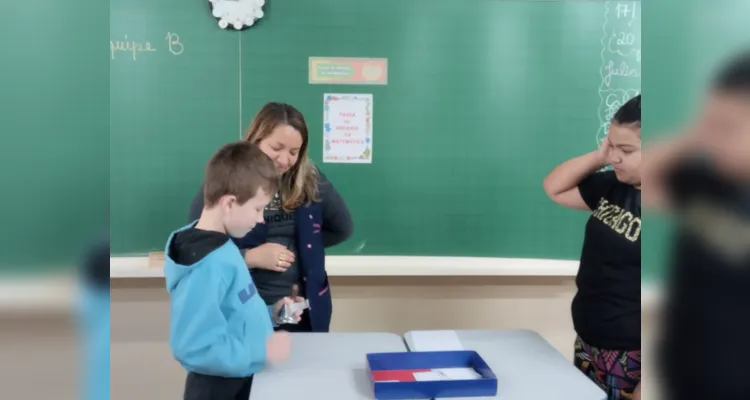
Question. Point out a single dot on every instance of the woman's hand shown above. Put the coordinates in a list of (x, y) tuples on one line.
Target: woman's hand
[(603, 153), (269, 256)]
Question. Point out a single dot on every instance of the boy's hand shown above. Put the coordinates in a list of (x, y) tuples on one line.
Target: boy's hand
[(280, 304), (278, 347)]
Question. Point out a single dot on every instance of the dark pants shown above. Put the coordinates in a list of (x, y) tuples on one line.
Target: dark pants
[(302, 326), (206, 387)]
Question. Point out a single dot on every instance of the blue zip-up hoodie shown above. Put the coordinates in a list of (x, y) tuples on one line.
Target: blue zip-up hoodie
[(219, 325)]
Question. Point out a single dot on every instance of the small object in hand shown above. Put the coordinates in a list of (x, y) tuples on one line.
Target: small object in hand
[(289, 310)]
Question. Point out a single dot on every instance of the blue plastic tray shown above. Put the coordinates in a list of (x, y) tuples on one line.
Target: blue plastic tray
[(486, 386)]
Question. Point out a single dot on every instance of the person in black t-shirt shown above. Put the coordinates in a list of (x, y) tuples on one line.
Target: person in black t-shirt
[(607, 307), (703, 177)]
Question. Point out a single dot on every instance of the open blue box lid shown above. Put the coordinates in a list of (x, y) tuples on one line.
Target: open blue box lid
[(388, 390)]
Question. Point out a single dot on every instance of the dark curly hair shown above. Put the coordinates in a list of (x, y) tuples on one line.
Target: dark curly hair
[(629, 113)]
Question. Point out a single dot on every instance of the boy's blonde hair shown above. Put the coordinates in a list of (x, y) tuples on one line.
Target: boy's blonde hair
[(238, 169)]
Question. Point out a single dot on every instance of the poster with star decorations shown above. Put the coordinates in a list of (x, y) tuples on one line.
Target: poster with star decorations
[(347, 128)]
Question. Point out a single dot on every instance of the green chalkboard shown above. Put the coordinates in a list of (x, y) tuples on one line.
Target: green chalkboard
[(174, 99), (483, 99), (53, 118), (675, 79)]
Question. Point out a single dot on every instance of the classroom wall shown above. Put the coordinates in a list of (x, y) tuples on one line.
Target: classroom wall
[(45, 345), (140, 312), (39, 355)]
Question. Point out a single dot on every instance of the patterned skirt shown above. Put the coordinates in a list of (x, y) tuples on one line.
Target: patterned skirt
[(616, 372)]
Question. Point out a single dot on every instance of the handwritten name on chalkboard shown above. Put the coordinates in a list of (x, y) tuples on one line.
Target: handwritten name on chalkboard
[(622, 69), (133, 48)]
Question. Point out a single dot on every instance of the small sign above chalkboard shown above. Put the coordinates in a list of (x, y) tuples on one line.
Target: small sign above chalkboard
[(348, 71)]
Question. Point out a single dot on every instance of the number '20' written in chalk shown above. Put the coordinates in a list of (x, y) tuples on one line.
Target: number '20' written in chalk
[(133, 48)]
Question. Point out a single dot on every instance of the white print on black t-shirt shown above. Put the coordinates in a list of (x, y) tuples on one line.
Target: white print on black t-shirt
[(620, 220), (723, 230), (274, 204), (274, 213)]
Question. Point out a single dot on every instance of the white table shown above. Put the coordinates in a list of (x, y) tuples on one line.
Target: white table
[(325, 366), (526, 366)]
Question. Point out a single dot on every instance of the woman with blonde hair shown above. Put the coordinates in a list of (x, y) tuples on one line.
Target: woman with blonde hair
[(306, 216)]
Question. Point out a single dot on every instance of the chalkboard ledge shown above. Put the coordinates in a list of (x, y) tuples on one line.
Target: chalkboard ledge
[(37, 295), (150, 266), (362, 266), (57, 293)]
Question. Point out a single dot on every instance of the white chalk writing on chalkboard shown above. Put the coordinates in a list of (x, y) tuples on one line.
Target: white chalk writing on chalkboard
[(626, 10), (624, 44), (133, 47), (173, 40), (620, 70), (129, 46)]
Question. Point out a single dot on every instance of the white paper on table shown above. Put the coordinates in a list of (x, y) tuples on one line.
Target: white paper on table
[(435, 341), (447, 374), (459, 373), (429, 376)]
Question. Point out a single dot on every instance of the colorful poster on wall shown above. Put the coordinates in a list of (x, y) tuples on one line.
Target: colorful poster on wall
[(348, 71), (347, 128)]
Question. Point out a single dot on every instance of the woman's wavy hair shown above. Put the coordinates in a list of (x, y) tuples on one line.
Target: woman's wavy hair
[(299, 185)]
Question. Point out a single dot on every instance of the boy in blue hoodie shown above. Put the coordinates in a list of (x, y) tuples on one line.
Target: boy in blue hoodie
[(221, 331)]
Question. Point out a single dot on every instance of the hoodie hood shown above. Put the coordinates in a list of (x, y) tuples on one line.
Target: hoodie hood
[(186, 248)]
